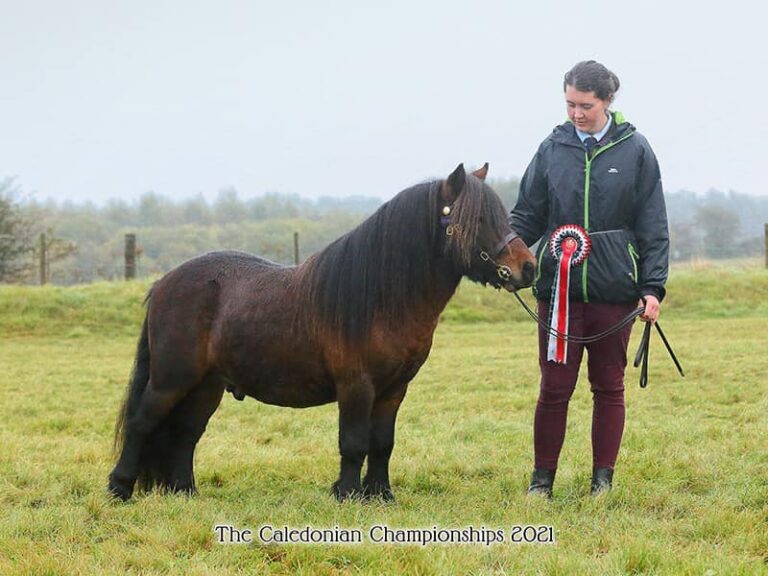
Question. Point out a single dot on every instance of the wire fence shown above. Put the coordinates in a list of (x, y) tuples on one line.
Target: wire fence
[(134, 261)]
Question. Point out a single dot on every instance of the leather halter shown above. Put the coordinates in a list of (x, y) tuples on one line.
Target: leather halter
[(503, 271)]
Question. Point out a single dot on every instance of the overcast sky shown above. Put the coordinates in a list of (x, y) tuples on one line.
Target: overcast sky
[(102, 99)]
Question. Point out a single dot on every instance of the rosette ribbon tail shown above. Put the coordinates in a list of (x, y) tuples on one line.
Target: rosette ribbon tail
[(557, 349), (569, 246)]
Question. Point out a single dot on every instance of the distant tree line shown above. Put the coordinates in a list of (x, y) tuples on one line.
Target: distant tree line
[(716, 224), (168, 231), (16, 234), (85, 241)]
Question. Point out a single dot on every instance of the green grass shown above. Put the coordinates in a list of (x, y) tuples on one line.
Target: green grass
[(100, 309), (691, 492)]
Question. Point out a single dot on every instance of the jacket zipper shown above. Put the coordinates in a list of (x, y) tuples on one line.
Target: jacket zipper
[(587, 171), (633, 257)]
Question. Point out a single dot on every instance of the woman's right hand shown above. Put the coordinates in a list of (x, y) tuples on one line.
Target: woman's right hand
[(652, 308)]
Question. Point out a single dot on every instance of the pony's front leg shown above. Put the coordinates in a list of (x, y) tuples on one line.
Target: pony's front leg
[(382, 441), (355, 398)]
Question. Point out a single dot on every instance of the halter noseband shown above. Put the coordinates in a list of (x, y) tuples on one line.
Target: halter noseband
[(502, 270)]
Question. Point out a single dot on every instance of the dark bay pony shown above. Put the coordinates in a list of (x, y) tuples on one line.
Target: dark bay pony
[(353, 324)]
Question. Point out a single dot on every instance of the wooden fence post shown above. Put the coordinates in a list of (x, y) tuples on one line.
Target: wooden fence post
[(296, 248), (130, 256), (43, 260)]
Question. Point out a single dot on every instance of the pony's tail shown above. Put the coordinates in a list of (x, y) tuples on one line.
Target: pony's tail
[(136, 386)]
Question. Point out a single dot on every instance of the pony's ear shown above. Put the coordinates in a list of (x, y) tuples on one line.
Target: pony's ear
[(453, 186), (481, 172)]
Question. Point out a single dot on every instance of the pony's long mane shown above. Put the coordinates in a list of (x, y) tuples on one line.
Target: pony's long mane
[(386, 266)]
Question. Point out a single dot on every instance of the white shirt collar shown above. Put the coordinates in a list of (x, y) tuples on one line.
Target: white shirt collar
[(599, 136)]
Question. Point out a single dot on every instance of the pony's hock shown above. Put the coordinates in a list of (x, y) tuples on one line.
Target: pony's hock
[(353, 324)]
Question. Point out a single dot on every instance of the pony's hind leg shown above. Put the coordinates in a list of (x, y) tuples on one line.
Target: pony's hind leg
[(382, 441), (188, 422), (153, 407), (355, 398)]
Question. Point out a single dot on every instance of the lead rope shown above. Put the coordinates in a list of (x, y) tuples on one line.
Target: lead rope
[(642, 350), (580, 339)]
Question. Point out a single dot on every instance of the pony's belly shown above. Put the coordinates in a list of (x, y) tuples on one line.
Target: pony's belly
[(284, 388)]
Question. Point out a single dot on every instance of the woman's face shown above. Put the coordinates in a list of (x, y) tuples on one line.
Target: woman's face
[(586, 111)]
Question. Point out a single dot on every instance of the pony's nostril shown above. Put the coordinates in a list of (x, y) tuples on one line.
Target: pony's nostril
[(528, 271)]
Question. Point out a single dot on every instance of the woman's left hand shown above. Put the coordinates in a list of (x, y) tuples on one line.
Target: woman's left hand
[(652, 309)]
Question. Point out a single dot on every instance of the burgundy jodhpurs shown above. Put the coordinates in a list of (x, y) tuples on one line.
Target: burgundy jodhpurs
[(606, 361)]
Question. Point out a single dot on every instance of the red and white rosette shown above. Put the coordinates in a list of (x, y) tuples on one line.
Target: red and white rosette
[(569, 246)]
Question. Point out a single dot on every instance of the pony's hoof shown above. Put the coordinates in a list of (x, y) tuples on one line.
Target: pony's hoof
[(185, 490), (342, 493), (382, 492), (386, 495), (119, 489)]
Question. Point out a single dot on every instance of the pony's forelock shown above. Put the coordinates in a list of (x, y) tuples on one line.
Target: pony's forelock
[(476, 206)]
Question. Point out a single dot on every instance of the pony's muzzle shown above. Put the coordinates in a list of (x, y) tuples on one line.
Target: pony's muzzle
[(528, 272), (511, 284)]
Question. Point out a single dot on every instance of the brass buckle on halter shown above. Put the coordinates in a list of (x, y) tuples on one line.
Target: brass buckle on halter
[(453, 228), (504, 272)]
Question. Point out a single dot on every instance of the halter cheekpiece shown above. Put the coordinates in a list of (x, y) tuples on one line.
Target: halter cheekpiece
[(503, 272)]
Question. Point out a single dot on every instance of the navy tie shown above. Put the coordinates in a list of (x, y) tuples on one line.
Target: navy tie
[(589, 144)]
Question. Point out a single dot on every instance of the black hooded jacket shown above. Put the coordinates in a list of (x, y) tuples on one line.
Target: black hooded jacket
[(616, 195)]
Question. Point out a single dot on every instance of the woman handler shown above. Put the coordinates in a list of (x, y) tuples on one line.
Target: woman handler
[(598, 172)]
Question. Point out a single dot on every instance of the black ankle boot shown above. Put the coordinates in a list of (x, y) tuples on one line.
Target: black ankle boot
[(602, 480), (541, 482)]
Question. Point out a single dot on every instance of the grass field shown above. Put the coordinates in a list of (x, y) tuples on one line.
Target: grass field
[(691, 487)]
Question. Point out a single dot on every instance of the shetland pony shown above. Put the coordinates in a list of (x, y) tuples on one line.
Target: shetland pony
[(353, 325)]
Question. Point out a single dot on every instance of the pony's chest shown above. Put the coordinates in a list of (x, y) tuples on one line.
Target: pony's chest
[(397, 360)]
